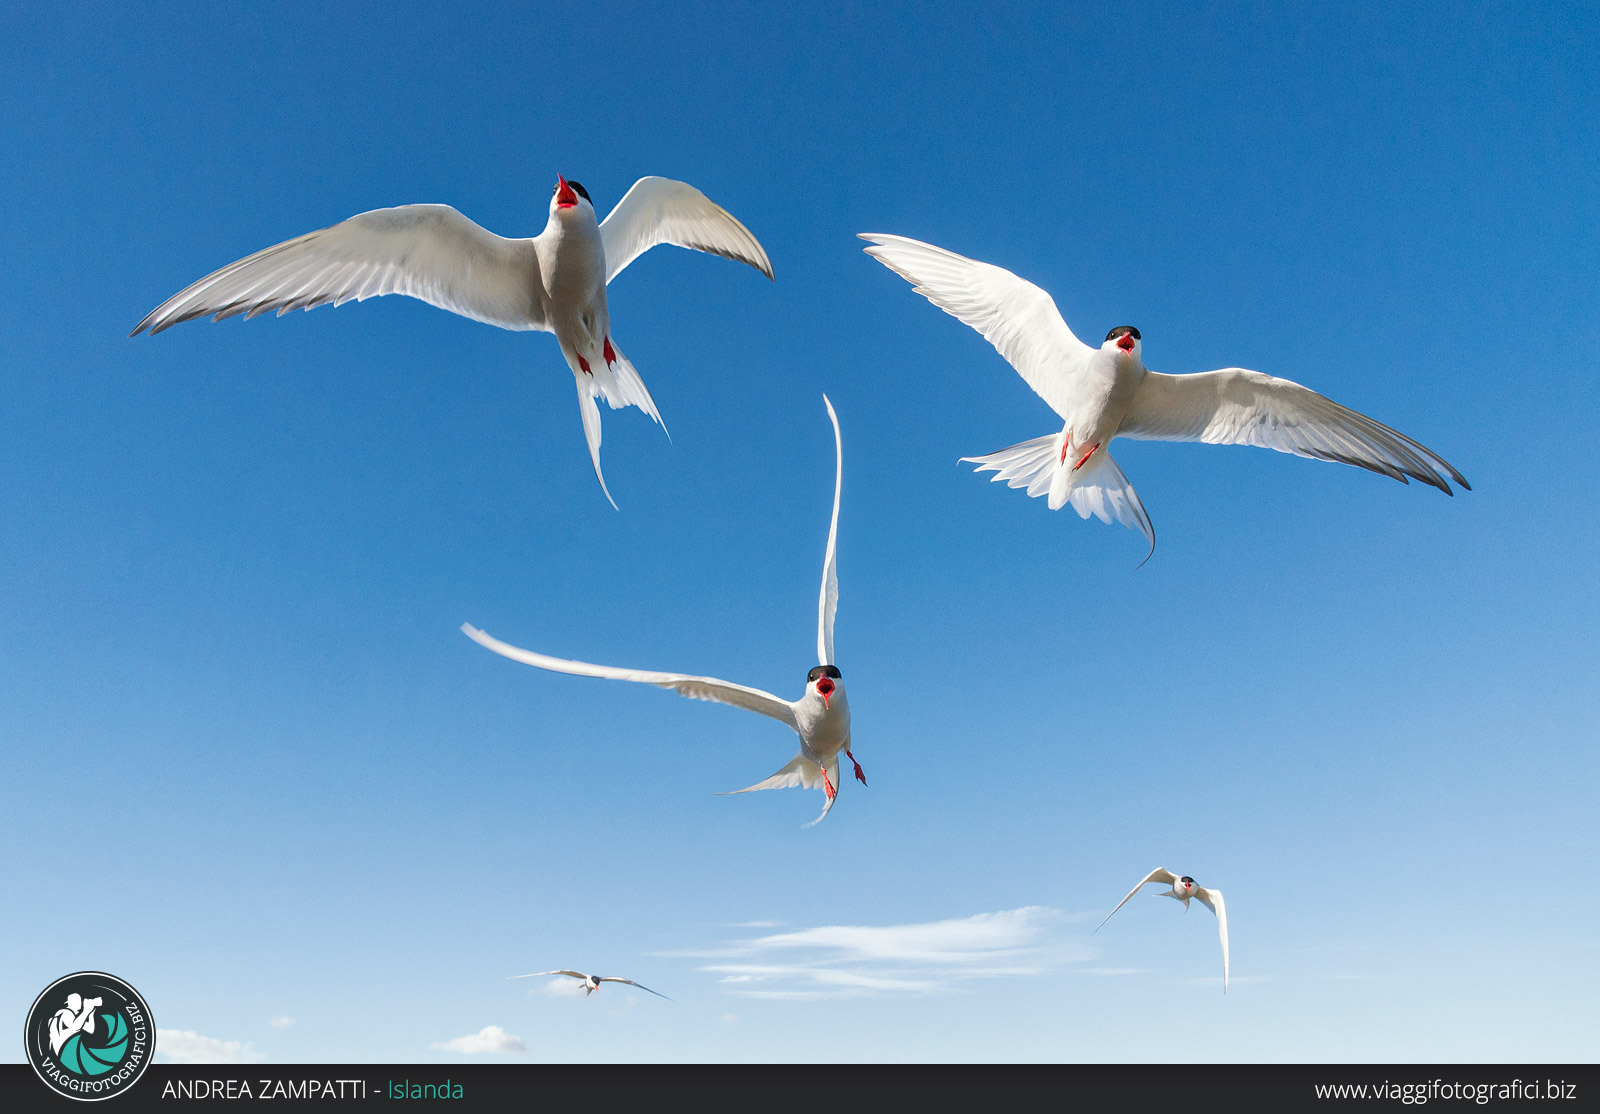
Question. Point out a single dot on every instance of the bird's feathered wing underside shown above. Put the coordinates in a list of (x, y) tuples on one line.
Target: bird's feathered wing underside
[(1159, 874), (828, 602), (1212, 900), (1235, 406), (1014, 315), (630, 982), (696, 688), (664, 211), (1098, 488), (800, 773), (430, 252)]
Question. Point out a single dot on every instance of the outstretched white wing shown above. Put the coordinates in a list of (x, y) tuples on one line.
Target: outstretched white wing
[(696, 688), (630, 982), (536, 974), (663, 211), (1157, 875), (1239, 407), (828, 603), (429, 252), (1212, 900), (1015, 316)]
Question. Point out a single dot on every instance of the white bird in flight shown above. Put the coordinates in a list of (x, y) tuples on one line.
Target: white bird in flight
[(1184, 889), (821, 717), (591, 983), (554, 282), (1107, 392)]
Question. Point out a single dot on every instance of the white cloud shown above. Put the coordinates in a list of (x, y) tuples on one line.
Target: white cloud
[(281, 1022), (491, 1038), (850, 961), (817, 982), (969, 939), (185, 1046)]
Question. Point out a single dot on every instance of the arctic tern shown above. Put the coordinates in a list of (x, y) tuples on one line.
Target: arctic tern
[(591, 983), (554, 282), (1183, 888), (1107, 392), (821, 717)]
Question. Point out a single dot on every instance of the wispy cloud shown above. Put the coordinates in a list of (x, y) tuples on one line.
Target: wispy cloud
[(976, 939), (185, 1046), (491, 1038), (281, 1022), (1216, 980), (851, 961)]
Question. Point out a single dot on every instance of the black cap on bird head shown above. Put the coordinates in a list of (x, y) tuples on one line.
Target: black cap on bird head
[(1124, 335), (823, 676)]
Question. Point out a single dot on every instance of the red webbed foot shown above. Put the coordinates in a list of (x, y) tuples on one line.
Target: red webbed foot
[(861, 777), (610, 353)]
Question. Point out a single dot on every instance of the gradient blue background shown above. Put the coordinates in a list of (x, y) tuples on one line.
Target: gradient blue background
[(250, 765)]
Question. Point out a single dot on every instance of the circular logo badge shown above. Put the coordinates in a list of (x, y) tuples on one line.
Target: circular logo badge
[(90, 1036)]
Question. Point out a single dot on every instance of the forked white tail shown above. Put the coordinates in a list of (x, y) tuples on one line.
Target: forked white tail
[(800, 773), (1098, 488), (619, 384)]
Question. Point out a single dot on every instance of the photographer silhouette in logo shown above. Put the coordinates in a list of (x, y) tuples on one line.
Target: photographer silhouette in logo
[(77, 1016)]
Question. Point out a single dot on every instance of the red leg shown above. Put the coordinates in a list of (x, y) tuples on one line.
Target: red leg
[(1084, 459), (827, 785), (610, 353), (861, 777), (584, 364)]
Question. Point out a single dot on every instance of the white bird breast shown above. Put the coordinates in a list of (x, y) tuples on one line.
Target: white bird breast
[(824, 727), (576, 264)]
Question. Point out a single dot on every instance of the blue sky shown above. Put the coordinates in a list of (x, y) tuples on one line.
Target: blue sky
[(253, 767)]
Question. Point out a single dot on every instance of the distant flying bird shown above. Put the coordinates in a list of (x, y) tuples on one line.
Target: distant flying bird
[(1107, 392), (1184, 889), (821, 717), (554, 282), (591, 983)]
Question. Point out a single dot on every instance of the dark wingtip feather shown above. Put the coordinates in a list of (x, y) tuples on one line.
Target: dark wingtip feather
[(727, 253)]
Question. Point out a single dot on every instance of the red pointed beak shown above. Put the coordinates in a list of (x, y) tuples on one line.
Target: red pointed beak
[(566, 198), (825, 690), (1125, 342)]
